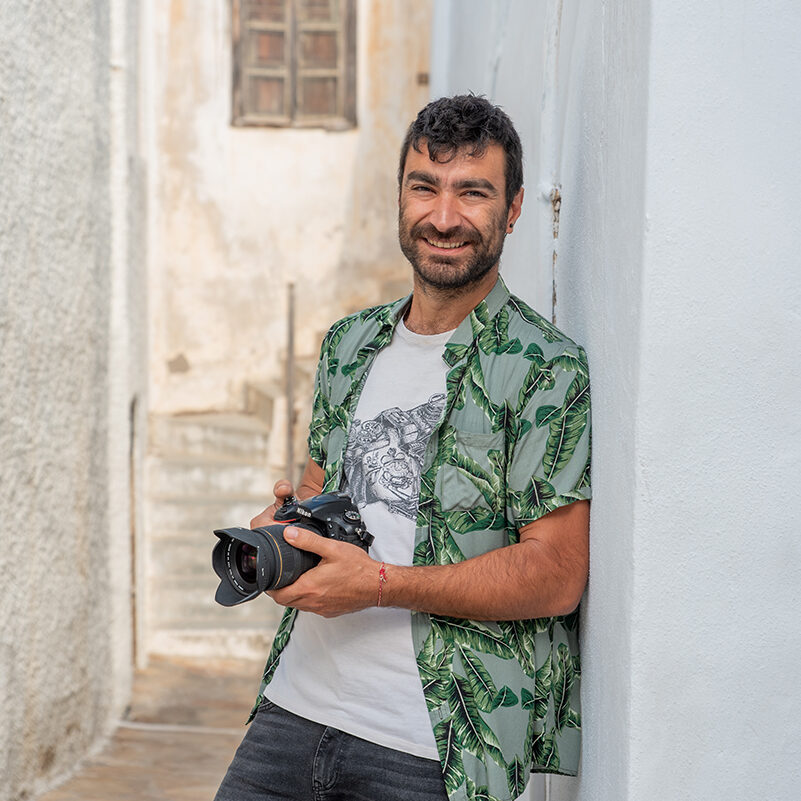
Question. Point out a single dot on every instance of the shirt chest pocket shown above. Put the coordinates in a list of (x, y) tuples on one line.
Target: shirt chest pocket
[(473, 476)]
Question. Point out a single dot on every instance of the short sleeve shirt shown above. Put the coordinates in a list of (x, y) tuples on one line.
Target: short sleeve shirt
[(512, 444)]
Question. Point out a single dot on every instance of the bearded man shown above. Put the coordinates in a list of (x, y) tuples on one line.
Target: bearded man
[(444, 664)]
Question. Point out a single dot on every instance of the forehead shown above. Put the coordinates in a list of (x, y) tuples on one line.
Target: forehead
[(490, 165)]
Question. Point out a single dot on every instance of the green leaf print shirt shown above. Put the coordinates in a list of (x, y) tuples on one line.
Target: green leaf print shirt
[(513, 444)]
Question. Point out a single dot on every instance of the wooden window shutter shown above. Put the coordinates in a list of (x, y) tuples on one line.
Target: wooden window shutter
[(294, 62), (262, 62)]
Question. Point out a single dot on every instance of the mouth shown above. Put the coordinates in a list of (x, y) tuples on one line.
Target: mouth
[(440, 244)]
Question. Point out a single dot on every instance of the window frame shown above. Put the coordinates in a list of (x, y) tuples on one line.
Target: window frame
[(293, 71)]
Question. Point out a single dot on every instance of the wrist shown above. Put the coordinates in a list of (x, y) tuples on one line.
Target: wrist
[(382, 580)]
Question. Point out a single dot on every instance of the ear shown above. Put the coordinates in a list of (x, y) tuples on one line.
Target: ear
[(514, 210)]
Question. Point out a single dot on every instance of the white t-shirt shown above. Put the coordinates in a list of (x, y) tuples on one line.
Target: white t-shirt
[(358, 672)]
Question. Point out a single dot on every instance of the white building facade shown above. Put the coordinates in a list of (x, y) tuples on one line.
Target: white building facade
[(661, 227)]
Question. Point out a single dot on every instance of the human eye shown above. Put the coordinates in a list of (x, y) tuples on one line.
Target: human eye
[(474, 194)]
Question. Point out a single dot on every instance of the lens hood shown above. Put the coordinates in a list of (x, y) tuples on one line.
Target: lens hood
[(234, 588)]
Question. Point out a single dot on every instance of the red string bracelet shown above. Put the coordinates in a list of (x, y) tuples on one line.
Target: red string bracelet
[(382, 580)]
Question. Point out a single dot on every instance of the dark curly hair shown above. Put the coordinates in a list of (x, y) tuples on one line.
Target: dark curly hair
[(451, 123)]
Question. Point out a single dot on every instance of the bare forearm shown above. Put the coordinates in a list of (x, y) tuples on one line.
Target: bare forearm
[(511, 583), (543, 575)]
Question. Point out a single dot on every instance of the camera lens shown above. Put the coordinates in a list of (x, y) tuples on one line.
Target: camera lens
[(247, 569), (246, 562)]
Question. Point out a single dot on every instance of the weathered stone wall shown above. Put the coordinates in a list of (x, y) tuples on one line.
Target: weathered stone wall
[(234, 216), (68, 289)]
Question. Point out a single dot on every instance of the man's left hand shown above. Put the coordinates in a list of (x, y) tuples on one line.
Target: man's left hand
[(345, 580)]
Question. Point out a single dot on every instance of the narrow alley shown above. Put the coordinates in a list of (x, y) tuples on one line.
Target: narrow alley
[(185, 721)]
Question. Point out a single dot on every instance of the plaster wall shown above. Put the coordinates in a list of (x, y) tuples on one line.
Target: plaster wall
[(68, 294), (500, 50), (235, 214), (717, 558), (541, 63), (671, 131), (599, 289)]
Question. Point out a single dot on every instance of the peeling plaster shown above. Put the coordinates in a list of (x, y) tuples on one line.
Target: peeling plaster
[(237, 213)]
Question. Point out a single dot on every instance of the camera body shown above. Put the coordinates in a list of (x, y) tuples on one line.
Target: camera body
[(250, 561)]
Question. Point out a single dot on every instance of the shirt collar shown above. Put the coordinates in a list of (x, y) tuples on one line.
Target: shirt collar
[(470, 327), (467, 331)]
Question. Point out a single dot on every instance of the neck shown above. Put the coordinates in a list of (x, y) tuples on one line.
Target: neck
[(435, 310)]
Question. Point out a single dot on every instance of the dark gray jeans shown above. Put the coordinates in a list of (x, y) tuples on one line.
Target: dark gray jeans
[(287, 757)]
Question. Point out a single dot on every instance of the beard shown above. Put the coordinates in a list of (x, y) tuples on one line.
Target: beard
[(452, 272)]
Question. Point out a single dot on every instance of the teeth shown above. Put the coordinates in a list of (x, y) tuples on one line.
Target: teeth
[(445, 245)]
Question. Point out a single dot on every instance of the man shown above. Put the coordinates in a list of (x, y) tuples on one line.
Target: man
[(443, 664)]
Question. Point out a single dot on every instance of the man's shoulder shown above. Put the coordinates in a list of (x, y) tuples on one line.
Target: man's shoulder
[(371, 314), (362, 324), (537, 332)]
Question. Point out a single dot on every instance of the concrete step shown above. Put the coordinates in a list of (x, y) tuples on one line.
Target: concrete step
[(168, 514), (181, 602), (251, 643), (198, 476), (233, 435), (183, 554), (260, 398), (203, 471)]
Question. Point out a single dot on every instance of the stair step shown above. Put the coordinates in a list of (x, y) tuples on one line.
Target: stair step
[(260, 400), (178, 602), (221, 434), (168, 514), (198, 476), (203, 471), (182, 556), (190, 642), (186, 556)]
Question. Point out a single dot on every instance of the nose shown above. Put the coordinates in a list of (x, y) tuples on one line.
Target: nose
[(445, 214)]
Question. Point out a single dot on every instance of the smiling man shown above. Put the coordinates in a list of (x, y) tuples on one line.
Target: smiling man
[(445, 663), (452, 224)]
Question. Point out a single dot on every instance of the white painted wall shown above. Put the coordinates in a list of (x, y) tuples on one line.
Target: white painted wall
[(718, 430), (675, 128), (70, 365), (472, 49)]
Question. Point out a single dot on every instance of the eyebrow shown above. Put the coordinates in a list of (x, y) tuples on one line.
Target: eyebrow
[(466, 183)]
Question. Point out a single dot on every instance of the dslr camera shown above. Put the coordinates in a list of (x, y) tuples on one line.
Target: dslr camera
[(250, 561)]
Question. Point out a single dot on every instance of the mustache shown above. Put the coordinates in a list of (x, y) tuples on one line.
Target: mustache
[(458, 234)]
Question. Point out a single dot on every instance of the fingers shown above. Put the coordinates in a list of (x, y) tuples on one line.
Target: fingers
[(292, 596), (265, 518), (344, 580), (309, 541), (282, 490)]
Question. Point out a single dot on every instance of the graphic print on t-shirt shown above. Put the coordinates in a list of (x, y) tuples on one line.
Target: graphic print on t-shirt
[(384, 457)]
